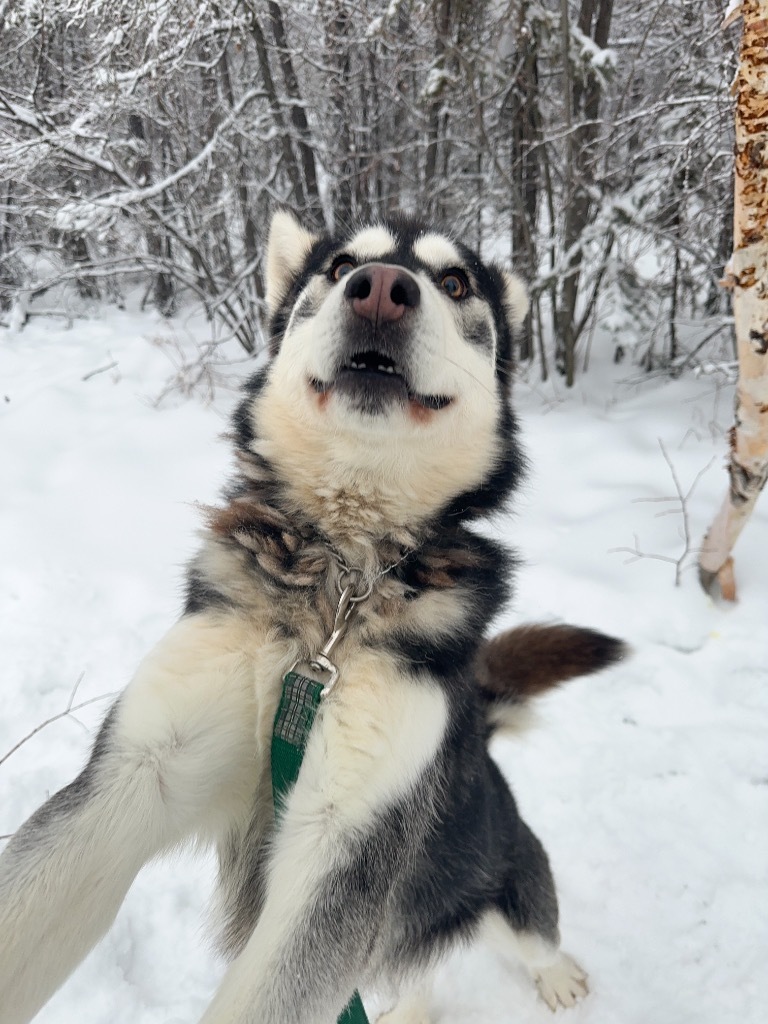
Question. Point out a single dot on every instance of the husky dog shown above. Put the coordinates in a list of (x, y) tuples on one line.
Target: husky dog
[(378, 431)]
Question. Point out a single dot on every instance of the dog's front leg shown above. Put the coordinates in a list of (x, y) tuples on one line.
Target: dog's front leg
[(175, 756), (312, 944), (352, 825)]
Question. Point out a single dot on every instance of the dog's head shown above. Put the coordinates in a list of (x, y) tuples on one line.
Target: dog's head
[(391, 352)]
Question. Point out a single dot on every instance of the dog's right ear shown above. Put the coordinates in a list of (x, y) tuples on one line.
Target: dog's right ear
[(287, 247)]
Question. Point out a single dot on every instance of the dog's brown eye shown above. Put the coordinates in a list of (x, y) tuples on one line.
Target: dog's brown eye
[(340, 267), (454, 284)]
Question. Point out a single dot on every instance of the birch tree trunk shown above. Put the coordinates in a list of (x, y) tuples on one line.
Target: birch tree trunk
[(748, 467)]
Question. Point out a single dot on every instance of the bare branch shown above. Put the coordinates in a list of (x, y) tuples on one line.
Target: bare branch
[(682, 499), (67, 712)]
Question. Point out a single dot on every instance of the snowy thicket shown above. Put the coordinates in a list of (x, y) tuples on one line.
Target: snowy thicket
[(588, 140)]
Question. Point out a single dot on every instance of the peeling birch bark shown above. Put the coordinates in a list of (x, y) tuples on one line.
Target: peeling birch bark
[(748, 276)]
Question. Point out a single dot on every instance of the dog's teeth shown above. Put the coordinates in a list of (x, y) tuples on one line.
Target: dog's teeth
[(353, 365)]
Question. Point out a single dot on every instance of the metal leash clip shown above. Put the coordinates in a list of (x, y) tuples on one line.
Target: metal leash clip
[(320, 668)]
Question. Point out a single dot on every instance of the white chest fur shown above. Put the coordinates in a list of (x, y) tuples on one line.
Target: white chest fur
[(373, 737)]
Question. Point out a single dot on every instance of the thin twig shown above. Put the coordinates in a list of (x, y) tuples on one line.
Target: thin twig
[(101, 369), (682, 499), (69, 710), (637, 554), (677, 370)]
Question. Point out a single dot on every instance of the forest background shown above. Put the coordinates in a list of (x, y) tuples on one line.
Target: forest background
[(589, 142)]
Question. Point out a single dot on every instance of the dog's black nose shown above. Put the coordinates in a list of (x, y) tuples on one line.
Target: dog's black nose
[(381, 292)]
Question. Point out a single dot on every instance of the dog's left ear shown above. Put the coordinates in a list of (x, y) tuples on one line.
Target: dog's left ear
[(515, 299), (514, 302), (287, 248)]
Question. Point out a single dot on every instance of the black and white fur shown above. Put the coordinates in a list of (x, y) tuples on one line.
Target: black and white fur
[(373, 436)]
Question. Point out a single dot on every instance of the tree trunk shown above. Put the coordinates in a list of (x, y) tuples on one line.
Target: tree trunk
[(748, 467), (339, 57), (436, 119), (289, 159), (158, 242), (582, 107), (314, 210)]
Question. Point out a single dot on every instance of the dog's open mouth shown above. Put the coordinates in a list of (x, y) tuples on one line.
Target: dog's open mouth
[(372, 362), (372, 380)]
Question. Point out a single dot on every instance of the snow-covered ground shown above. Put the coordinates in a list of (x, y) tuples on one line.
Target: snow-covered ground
[(648, 785)]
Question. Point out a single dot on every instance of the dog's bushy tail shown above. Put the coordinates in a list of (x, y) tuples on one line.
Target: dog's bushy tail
[(527, 661)]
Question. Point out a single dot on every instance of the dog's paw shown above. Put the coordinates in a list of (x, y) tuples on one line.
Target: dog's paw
[(562, 984)]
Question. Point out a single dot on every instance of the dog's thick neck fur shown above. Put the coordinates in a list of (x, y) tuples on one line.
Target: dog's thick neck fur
[(297, 528)]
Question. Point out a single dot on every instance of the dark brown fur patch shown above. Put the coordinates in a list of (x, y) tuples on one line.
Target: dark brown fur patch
[(251, 522), (293, 553), (247, 514), (529, 660), (435, 578)]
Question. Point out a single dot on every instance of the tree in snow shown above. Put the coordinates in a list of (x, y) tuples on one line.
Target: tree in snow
[(748, 277), (586, 140)]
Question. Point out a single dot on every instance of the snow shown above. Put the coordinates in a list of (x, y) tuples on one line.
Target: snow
[(437, 79), (648, 784), (602, 60)]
